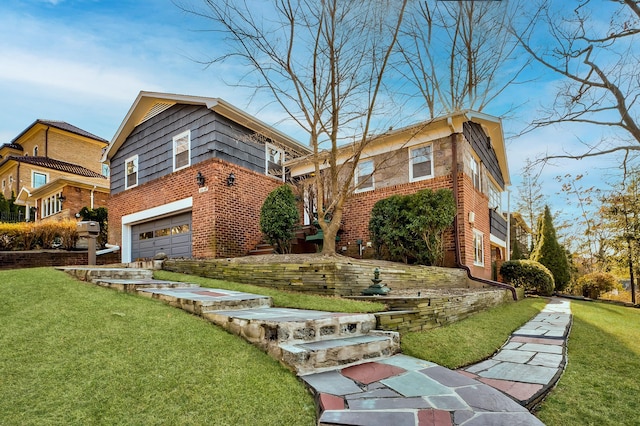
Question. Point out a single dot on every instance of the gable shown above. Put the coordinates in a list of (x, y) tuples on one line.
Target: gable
[(481, 144)]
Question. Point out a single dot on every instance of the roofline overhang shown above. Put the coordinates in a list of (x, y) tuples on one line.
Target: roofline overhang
[(47, 124), (145, 100)]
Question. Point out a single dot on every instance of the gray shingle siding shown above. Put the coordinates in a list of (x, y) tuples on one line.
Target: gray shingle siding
[(212, 135), (480, 143)]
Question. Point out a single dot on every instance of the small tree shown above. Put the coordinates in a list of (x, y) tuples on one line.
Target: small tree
[(594, 284), (529, 274), (279, 217), (411, 227), (550, 253)]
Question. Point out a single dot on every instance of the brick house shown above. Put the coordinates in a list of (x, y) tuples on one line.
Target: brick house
[(189, 176), (422, 156), (53, 169)]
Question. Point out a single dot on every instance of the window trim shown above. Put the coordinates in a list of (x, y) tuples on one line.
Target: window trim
[(134, 159), (268, 146), (412, 178), (33, 178), (476, 169), (177, 138), (493, 189), (372, 180), (478, 251)]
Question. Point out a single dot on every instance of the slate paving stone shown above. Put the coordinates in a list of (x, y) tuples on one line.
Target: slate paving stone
[(520, 373), (481, 366), (333, 343), (511, 345), (416, 384), (407, 362), (388, 403), (520, 391), (485, 398), (371, 372), (447, 402), (447, 377), (547, 360), (368, 418), (331, 382), (383, 392), (461, 416), (540, 340), (503, 419), (330, 402), (518, 356), (434, 418)]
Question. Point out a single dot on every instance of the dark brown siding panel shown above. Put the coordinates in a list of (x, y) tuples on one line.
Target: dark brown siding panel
[(482, 146)]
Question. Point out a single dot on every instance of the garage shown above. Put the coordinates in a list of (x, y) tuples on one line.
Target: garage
[(170, 235)]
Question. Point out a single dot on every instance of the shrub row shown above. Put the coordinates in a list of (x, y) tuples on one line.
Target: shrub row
[(38, 235)]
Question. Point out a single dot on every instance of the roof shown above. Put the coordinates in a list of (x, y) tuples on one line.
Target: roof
[(62, 125), (148, 104), (12, 145), (50, 163)]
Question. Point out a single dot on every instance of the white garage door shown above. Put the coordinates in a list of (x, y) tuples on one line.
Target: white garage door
[(170, 235)]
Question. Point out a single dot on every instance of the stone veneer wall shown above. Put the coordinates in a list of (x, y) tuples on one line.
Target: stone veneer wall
[(38, 258), (334, 276), (424, 313)]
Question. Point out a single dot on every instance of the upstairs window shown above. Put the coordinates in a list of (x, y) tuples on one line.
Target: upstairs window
[(495, 198), (274, 161), (38, 179), (364, 176), (131, 172), (478, 248), (475, 174), (182, 150), (420, 163), (105, 170), (35, 151)]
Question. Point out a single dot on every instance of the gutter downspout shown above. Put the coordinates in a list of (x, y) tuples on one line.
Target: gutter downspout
[(456, 236), (92, 191)]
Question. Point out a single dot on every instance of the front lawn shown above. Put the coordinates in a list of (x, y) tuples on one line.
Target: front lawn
[(74, 353), (473, 339), (601, 384)]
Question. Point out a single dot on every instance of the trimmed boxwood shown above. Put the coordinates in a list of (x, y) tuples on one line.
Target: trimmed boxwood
[(529, 274)]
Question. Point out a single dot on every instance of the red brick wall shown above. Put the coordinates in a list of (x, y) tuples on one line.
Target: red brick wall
[(473, 200), (226, 219)]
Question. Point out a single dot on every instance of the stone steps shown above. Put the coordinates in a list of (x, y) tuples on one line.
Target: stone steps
[(306, 341), (133, 285)]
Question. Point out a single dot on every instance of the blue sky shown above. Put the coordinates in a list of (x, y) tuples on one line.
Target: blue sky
[(84, 62)]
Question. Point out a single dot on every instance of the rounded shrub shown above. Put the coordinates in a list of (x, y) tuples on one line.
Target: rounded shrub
[(279, 218), (531, 275), (596, 283)]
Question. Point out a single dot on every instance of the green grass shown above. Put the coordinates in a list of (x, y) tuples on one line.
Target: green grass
[(473, 339), (73, 353), (282, 299), (601, 384)]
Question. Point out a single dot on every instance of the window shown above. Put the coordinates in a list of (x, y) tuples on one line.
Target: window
[(274, 161), (182, 150), (35, 151), (51, 205), (364, 176), (4, 184), (475, 174), (131, 172), (38, 179), (420, 163), (478, 248), (105, 170), (495, 198), (10, 181)]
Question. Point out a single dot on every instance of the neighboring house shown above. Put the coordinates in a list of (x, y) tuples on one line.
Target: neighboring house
[(521, 234), (422, 156), (189, 176), (53, 169)]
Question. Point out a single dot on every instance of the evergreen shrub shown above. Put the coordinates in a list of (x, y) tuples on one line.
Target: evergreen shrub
[(531, 275), (279, 218)]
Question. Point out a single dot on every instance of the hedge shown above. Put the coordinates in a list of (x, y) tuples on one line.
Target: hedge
[(38, 235)]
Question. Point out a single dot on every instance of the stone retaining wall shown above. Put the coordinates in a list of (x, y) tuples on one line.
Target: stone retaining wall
[(334, 276), (423, 313), (37, 258)]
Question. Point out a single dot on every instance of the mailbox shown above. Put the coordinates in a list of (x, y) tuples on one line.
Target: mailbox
[(88, 229)]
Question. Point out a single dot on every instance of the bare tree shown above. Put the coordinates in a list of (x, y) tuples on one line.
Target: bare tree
[(593, 46), (460, 55), (531, 200), (324, 62)]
